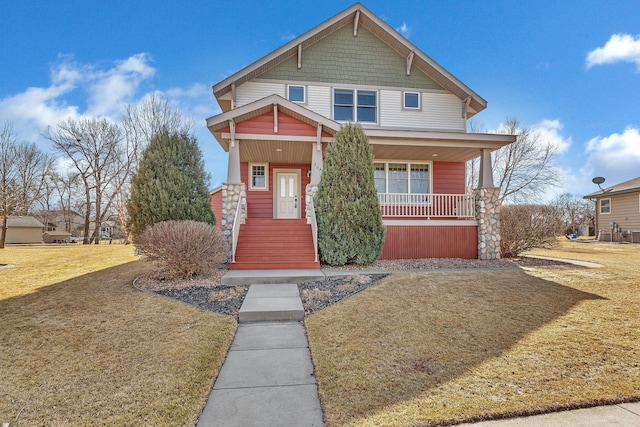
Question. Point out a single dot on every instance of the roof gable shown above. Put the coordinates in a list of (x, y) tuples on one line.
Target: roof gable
[(342, 58), (355, 17)]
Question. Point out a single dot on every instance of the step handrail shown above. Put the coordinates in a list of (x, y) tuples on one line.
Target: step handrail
[(311, 219), (238, 220)]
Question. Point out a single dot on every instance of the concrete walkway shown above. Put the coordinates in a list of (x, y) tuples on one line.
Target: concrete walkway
[(267, 378)]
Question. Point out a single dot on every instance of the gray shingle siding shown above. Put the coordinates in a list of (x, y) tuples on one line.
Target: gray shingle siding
[(341, 58)]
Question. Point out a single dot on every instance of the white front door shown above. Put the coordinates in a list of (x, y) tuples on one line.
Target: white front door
[(287, 197)]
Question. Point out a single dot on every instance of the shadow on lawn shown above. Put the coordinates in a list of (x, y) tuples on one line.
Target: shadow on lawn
[(93, 350), (417, 332)]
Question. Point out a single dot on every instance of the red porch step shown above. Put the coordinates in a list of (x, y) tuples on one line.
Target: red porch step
[(275, 244)]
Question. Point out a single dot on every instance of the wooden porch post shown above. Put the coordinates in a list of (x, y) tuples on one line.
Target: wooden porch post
[(316, 159), (233, 167), (485, 180)]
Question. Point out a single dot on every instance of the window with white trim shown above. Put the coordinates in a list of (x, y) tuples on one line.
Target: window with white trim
[(355, 105), (296, 94), (402, 178), (605, 206), (411, 100), (259, 176)]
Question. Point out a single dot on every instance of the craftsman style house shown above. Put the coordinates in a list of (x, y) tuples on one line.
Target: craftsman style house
[(280, 113), (618, 212)]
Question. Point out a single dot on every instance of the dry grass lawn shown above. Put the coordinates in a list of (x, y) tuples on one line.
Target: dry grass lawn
[(80, 346), (445, 347)]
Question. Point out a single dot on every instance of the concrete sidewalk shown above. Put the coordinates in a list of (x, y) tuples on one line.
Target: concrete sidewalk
[(624, 414), (267, 378)]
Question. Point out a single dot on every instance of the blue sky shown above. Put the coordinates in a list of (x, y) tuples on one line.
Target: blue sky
[(569, 69)]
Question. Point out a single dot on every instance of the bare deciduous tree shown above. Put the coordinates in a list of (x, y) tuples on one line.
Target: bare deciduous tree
[(8, 176), (24, 170), (523, 170), (103, 163), (575, 211)]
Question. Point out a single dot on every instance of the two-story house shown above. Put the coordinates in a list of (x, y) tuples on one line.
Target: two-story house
[(280, 113)]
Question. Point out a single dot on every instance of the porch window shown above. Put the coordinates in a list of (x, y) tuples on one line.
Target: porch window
[(355, 105), (296, 94), (605, 206), (411, 100), (402, 178), (259, 179)]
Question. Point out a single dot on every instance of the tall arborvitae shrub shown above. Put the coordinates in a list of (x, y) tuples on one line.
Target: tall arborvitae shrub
[(170, 184), (350, 228)]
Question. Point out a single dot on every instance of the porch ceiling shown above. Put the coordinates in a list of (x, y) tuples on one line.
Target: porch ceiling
[(426, 153), (275, 151)]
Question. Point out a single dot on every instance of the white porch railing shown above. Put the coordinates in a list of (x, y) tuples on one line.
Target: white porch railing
[(239, 219), (427, 205), (311, 219)]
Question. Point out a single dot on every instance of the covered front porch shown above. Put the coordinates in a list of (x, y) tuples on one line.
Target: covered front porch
[(276, 153)]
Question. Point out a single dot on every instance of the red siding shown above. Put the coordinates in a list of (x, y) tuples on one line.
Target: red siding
[(287, 125), (449, 178), (414, 242), (260, 203), (216, 207)]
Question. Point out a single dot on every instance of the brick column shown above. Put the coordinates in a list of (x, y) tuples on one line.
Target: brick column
[(488, 216)]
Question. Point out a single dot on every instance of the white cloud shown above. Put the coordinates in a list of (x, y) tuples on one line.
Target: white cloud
[(619, 48), (615, 157), (109, 90), (404, 29), (549, 131), (103, 89)]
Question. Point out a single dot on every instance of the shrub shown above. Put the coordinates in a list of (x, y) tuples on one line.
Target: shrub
[(170, 184), (350, 228), (525, 227), (184, 248)]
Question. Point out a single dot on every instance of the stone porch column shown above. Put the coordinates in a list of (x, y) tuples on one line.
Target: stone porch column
[(232, 193), (487, 210)]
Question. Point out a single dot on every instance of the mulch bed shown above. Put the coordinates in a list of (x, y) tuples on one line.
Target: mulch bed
[(206, 293)]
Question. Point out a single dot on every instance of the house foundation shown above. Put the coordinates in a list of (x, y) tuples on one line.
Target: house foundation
[(488, 216)]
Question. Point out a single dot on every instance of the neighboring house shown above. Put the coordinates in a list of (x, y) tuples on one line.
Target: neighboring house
[(618, 212), (280, 113), (23, 229), (56, 237)]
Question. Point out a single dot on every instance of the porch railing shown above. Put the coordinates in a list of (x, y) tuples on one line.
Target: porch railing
[(427, 205), (238, 220), (311, 219)]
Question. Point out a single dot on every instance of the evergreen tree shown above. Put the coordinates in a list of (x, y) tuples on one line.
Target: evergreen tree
[(171, 183), (350, 228)]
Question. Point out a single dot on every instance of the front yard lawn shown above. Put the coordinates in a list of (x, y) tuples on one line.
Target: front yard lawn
[(444, 347), (80, 346)]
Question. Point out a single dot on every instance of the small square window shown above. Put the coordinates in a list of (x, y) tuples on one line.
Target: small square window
[(605, 206), (296, 94), (259, 176), (411, 100)]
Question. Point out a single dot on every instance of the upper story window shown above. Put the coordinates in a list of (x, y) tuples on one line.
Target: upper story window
[(605, 206), (355, 105), (296, 94), (259, 178), (411, 100)]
